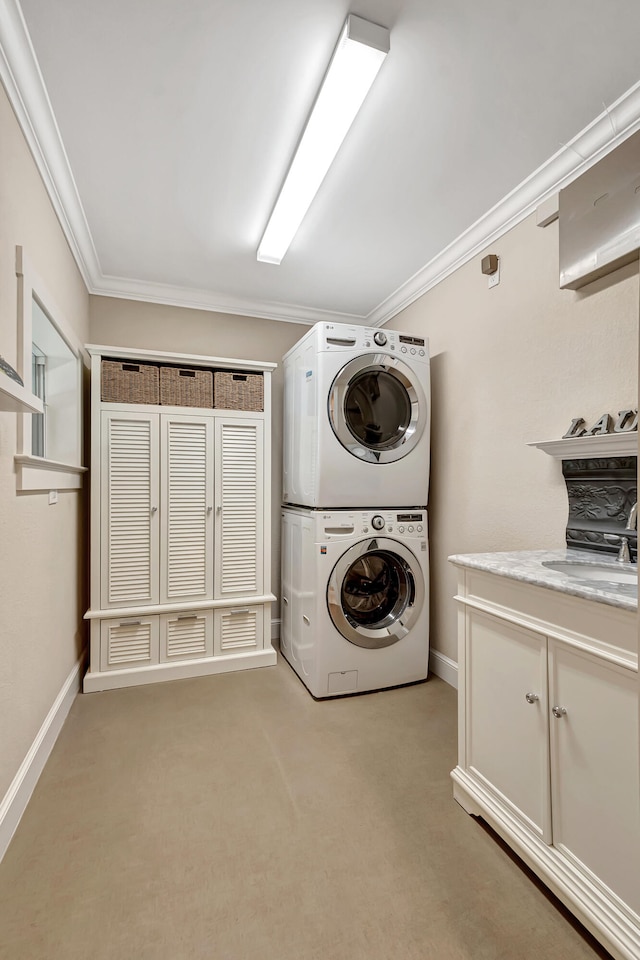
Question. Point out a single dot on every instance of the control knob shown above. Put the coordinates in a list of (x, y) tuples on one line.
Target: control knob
[(380, 338), (377, 523)]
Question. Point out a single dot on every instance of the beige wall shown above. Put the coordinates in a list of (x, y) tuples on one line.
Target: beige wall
[(42, 580), (510, 365), (131, 323)]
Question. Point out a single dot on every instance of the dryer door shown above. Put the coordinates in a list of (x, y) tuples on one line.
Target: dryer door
[(375, 592), (377, 408)]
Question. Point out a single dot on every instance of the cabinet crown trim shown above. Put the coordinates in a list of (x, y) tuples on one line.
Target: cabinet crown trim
[(196, 360)]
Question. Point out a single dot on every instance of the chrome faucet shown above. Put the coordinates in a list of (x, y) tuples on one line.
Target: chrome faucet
[(624, 555)]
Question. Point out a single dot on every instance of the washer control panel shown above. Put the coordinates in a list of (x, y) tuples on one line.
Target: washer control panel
[(406, 522)]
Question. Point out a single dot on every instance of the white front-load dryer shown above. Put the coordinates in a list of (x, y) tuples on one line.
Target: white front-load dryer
[(355, 607), (357, 418)]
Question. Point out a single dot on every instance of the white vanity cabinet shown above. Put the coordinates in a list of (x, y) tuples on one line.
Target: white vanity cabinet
[(506, 744), (180, 550), (595, 794), (548, 742)]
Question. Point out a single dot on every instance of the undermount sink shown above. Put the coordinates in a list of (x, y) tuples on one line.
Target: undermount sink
[(603, 572)]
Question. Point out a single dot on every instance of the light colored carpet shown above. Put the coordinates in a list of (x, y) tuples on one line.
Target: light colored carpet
[(235, 818)]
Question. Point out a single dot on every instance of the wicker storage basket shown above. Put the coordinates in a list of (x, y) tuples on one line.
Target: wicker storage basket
[(186, 387), (238, 391), (125, 382)]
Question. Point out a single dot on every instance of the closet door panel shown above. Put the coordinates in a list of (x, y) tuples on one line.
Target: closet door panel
[(238, 630), (129, 643), (186, 552), (239, 498), (186, 636), (129, 520)]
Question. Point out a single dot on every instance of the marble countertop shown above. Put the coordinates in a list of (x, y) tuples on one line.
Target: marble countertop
[(527, 565)]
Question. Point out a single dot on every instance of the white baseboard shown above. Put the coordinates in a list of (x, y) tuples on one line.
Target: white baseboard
[(95, 681), (15, 801), (444, 668)]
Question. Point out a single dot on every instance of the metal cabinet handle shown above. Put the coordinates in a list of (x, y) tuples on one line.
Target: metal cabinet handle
[(531, 697), (131, 623), (285, 600), (154, 510), (559, 712), (209, 509), (187, 616), (235, 613), (306, 620)]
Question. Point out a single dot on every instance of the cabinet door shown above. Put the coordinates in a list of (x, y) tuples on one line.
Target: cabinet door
[(238, 630), (128, 643), (186, 636), (239, 501), (506, 715), (594, 767), (186, 480), (129, 520)]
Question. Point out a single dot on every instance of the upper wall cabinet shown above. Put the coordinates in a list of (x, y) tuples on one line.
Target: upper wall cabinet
[(600, 217), (180, 553)]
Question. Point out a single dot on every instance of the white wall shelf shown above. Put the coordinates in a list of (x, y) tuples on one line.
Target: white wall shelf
[(583, 448), (16, 399)]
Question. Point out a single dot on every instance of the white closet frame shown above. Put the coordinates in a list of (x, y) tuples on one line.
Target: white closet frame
[(227, 628)]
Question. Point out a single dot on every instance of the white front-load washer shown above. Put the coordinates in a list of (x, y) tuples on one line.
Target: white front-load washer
[(357, 418), (355, 609)]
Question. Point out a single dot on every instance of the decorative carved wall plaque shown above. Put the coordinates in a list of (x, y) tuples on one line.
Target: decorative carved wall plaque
[(601, 493)]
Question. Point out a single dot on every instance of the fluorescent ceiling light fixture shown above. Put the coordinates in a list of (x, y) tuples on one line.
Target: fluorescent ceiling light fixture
[(356, 60)]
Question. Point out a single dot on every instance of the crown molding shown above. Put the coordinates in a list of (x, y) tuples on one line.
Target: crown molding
[(21, 77), (193, 299), (599, 138)]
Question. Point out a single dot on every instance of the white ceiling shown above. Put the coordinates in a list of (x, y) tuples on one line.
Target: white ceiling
[(179, 119)]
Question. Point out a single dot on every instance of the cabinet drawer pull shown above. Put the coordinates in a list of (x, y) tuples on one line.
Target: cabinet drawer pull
[(531, 697), (306, 620), (559, 712), (285, 600), (130, 623), (187, 616), (235, 613)]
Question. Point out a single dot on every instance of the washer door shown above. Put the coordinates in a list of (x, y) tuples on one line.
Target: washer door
[(377, 408), (375, 593)]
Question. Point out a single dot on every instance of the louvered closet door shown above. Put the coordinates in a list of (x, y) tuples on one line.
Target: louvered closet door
[(186, 550), (239, 508), (129, 524)]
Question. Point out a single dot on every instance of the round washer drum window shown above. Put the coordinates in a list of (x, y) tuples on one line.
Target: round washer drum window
[(376, 589), (375, 593)]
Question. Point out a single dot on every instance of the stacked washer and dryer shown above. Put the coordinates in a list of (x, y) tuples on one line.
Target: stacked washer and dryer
[(355, 574)]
